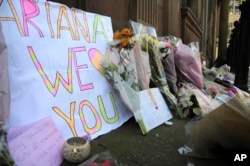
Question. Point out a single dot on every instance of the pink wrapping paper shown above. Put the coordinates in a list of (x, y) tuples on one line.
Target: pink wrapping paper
[(188, 65)]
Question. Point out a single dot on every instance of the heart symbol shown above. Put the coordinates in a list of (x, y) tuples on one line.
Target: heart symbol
[(96, 58)]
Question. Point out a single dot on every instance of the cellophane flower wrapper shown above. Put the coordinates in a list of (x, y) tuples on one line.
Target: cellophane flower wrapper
[(169, 63), (205, 102), (188, 64), (120, 69), (142, 57), (142, 67), (127, 88), (150, 44), (129, 96), (121, 73)]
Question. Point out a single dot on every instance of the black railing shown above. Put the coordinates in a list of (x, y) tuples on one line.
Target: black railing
[(238, 51)]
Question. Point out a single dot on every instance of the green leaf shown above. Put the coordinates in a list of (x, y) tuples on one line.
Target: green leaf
[(197, 110)]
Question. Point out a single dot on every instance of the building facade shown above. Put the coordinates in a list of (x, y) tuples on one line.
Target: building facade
[(190, 20)]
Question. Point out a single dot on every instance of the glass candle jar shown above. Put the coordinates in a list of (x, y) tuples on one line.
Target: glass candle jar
[(76, 149)]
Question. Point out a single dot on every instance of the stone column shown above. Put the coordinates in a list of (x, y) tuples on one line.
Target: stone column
[(223, 33)]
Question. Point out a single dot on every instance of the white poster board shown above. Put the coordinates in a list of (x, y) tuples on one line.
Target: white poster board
[(53, 54), (151, 116)]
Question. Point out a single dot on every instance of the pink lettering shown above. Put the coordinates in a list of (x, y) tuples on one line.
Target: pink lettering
[(79, 67), (30, 10)]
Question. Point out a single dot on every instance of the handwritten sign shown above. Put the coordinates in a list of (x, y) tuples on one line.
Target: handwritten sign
[(38, 143), (53, 54), (149, 115)]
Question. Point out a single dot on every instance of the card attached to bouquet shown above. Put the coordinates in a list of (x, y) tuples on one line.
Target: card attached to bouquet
[(153, 110), (39, 143)]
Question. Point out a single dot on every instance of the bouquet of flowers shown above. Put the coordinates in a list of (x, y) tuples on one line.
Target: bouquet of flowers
[(151, 45), (167, 53), (120, 70), (156, 51), (188, 65), (187, 102), (141, 58), (128, 71)]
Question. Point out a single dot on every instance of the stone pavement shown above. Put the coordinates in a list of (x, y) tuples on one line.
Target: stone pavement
[(158, 148)]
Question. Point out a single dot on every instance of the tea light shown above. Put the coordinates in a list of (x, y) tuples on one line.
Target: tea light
[(76, 149)]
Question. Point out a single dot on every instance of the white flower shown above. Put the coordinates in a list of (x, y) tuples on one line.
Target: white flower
[(114, 42), (161, 44)]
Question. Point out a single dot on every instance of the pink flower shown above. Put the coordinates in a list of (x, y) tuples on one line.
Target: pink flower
[(212, 90), (233, 90)]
